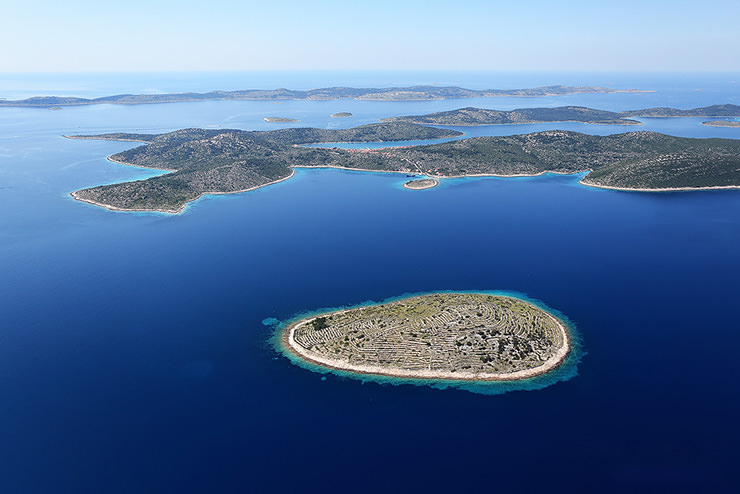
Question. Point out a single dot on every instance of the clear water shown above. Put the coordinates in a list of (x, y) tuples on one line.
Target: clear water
[(134, 357), (567, 369)]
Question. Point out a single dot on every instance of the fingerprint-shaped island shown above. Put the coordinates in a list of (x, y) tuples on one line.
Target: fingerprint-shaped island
[(459, 336)]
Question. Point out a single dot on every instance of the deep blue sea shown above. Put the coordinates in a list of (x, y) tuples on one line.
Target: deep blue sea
[(134, 358)]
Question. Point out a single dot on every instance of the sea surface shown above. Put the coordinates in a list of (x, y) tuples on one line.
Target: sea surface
[(135, 348)]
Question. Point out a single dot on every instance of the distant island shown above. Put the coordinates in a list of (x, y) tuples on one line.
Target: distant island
[(341, 114), (228, 161), (458, 336), (480, 116), (279, 120), (413, 93), (705, 111), (722, 123)]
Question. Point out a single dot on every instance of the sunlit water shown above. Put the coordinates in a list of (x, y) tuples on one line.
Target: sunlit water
[(134, 357)]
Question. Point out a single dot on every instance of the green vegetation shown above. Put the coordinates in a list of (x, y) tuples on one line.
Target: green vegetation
[(225, 161), (319, 323), (633, 160), (473, 335), (341, 114)]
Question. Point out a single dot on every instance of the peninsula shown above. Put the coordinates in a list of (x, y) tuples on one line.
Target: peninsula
[(227, 161), (413, 93), (459, 336), (480, 116)]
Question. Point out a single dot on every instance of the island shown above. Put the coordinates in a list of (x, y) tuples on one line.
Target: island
[(728, 110), (227, 161), (413, 93), (279, 120), (210, 161), (341, 114), (471, 116), (722, 123), (480, 116), (458, 336), (421, 184)]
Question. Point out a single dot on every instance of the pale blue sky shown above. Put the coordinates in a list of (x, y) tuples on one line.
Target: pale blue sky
[(86, 35)]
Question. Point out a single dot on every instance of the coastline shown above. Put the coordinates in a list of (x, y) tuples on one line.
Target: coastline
[(179, 210), (681, 116), (514, 175), (119, 162), (666, 189), (410, 184), (393, 119), (431, 175), (731, 124), (80, 138), (289, 344), (346, 168), (584, 181), (185, 99)]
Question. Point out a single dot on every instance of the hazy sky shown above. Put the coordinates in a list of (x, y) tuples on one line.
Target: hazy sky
[(100, 35)]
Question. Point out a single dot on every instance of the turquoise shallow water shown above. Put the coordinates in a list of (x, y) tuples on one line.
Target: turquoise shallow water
[(566, 370), (134, 357)]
